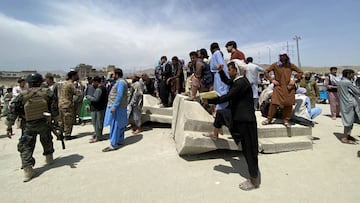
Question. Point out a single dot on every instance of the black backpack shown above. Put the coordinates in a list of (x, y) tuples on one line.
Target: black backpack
[(207, 77)]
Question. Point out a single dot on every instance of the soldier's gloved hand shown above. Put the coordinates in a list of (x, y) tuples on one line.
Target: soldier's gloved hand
[(9, 133)]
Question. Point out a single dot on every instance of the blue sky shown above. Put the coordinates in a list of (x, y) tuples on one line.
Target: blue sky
[(58, 35)]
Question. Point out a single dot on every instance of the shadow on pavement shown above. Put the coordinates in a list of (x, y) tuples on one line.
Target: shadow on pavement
[(70, 161), (133, 139), (3, 136), (235, 158), (151, 125), (340, 135), (128, 139), (83, 134)]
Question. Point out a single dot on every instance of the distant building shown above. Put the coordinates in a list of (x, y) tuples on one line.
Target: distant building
[(109, 68), (4, 75), (86, 71)]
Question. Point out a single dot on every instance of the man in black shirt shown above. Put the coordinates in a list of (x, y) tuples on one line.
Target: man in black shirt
[(97, 107)]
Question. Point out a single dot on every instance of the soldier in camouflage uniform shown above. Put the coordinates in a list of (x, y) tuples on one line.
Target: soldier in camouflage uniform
[(30, 105), (66, 104)]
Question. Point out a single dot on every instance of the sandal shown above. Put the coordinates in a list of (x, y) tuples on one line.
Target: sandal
[(247, 185), (287, 124), (210, 135), (136, 131), (121, 143), (109, 149), (347, 141), (266, 122), (93, 140)]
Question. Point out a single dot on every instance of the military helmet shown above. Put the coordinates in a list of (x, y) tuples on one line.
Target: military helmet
[(34, 78)]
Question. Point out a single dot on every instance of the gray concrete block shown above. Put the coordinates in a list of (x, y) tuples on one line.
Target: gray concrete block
[(284, 144), (151, 111), (195, 143), (155, 118), (190, 121)]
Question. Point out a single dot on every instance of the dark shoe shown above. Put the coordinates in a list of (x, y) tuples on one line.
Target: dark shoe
[(121, 143), (109, 149), (69, 137), (93, 140)]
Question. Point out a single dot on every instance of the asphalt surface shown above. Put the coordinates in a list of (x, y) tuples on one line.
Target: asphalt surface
[(148, 169)]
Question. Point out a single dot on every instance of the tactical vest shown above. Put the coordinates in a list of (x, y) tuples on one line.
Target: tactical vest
[(35, 102), (113, 94)]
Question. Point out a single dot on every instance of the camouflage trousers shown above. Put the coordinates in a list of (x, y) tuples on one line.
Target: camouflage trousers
[(27, 141), (66, 120)]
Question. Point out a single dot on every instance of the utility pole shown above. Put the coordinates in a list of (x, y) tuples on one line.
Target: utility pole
[(297, 38), (287, 47), (269, 55)]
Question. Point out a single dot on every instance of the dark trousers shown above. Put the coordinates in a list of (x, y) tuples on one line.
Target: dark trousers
[(27, 141), (246, 132), (223, 117), (286, 112), (164, 93)]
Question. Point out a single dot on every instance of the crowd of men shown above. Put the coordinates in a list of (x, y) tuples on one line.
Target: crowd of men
[(242, 87), (36, 104)]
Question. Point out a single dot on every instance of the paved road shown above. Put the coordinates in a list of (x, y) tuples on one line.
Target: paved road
[(148, 169)]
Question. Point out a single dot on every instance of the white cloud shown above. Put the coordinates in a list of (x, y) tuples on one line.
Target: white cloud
[(83, 34), (116, 33)]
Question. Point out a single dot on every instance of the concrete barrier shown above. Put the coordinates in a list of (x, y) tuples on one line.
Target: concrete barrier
[(151, 111), (190, 121)]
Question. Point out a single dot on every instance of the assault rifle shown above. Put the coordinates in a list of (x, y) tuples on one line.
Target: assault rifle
[(55, 128), (58, 131)]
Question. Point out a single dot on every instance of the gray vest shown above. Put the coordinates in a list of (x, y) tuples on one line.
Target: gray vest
[(113, 94)]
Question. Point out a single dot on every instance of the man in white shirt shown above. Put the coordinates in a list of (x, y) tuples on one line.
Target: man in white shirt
[(252, 74), (17, 89)]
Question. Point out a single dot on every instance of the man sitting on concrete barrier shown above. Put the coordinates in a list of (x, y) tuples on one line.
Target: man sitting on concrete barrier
[(302, 111)]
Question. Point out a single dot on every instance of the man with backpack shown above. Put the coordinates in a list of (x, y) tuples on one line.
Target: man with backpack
[(32, 106), (202, 71)]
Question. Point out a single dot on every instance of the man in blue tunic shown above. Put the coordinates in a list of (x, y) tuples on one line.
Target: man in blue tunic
[(116, 114)]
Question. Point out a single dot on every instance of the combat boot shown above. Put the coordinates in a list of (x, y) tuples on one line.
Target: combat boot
[(49, 158), (28, 173)]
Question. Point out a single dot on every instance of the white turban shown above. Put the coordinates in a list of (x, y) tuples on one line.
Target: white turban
[(240, 65), (283, 52), (300, 90)]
